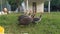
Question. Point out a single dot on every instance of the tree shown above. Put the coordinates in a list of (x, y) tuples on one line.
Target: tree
[(55, 4), (16, 3)]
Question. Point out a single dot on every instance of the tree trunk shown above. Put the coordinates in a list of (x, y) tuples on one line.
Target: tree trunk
[(18, 8), (18, 5)]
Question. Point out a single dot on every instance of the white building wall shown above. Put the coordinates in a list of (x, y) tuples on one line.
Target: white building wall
[(40, 7), (39, 4)]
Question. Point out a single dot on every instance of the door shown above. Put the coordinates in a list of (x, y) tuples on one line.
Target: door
[(34, 7)]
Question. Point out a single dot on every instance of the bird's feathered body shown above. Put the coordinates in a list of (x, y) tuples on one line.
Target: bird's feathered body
[(29, 18), (25, 20)]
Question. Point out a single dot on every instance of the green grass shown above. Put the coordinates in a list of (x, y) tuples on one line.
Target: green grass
[(50, 24)]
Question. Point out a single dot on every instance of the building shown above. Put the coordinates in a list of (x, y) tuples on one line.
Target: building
[(34, 5)]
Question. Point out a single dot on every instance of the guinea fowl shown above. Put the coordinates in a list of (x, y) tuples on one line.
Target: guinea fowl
[(25, 19)]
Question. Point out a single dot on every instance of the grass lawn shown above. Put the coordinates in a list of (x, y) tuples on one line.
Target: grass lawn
[(50, 24)]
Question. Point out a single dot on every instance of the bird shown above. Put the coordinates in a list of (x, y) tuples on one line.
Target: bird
[(27, 19), (24, 20)]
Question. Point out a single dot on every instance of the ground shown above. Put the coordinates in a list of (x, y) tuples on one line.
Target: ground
[(50, 24)]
